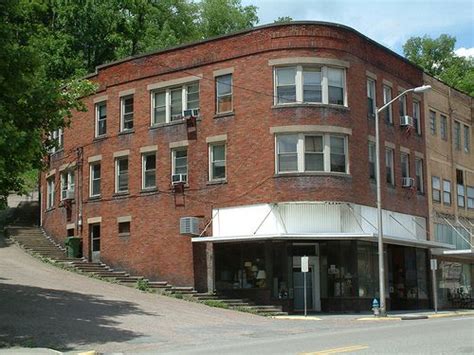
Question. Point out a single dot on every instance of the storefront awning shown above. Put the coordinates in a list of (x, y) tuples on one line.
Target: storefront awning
[(467, 254)]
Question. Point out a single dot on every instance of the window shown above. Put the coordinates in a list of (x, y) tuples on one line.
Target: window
[(387, 96), (180, 162), (371, 98), (169, 104), (443, 128), (372, 158), (457, 135), (447, 192), (50, 192), (419, 175), (67, 183), (390, 171), (224, 93), (148, 171), (402, 105), (311, 153), (306, 84), (433, 123), (405, 164), (121, 175), (470, 197), (124, 229), (100, 119), (460, 187), (416, 117), (436, 188), (94, 183), (57, 138), (126, 122), (467, 137), (217, 161)]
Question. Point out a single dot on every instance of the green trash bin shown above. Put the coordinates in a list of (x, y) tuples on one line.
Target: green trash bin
[(73, 245)]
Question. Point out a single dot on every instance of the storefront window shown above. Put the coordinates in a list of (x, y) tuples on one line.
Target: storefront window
[(367, 267), (422, 274), (454, 281)]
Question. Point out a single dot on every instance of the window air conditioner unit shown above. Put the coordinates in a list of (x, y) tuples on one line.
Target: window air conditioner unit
[(179, 179), (191, 113), (189, 226), (406, 121), (408, 182), (69, 195)]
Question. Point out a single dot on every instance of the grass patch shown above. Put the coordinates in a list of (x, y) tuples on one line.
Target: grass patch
[(216, 303), (143, 285)]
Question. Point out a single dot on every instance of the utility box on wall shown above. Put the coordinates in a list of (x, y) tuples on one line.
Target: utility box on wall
[(189, 225)]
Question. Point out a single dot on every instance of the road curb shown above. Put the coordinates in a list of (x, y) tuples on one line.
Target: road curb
[(461, 314), (379, 319)]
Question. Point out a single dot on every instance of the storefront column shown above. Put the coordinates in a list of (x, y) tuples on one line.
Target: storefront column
[(210, 267)]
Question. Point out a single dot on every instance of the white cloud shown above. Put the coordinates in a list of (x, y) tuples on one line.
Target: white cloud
[(464, 52)]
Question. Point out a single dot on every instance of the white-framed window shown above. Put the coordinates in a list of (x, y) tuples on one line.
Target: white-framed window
[(121, 174), (371, 103), (419, 175), (417, 117), (461, 196), (217, 161), (67, 183), (179, 159), (224, 92), (126, 113), (372, 159), (447, 192), (94, 179), (50, 192), (467, 140), (101, 119), (148, 170), (433, 123), (470, 197), (457, 135), (405, 164), (311, 153), (387, 97), (443, 127), (169, 104), (436, 188), (402, 105), (57, 136), (389, 166), (309, 84)]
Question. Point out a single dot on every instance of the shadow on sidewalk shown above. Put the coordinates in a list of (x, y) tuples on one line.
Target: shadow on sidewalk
[(62, 320)]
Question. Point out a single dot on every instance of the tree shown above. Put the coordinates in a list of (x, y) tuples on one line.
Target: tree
[(437, 57), (283, 19)]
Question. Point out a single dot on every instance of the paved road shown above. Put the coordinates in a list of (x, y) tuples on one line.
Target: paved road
[(43, 306)]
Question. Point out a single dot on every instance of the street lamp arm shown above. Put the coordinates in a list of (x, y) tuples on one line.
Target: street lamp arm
[(393, 100)]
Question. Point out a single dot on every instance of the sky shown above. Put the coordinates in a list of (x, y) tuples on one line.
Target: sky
[(388, 22)]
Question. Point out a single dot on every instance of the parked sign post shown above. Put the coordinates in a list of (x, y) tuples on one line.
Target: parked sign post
[(304, 270), (434, 267)]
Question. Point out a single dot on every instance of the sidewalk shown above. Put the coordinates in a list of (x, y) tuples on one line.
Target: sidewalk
[(392, 315)]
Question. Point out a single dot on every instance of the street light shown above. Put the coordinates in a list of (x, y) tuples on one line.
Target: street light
[(420, 89)]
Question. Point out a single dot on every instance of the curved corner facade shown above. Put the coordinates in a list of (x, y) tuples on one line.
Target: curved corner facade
[(219, 164)]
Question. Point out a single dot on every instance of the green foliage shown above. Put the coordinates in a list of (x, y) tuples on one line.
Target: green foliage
[(143, 285), (283, 19), (437, 57), (216, 303)]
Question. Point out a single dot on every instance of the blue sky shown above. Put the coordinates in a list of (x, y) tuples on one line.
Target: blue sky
[(388, 22)]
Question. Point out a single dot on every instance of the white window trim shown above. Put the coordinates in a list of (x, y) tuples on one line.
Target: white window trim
[(122, 111), (216, 77), (457, 146), (467, 142), (392, 165), (211, 160), (144, 156), (386, 100), (69, 187), (299, 85), (50, 187), (417, 113), (96, 106), (421, 188), (407, 163), (123, 157), (372, 84), (300, 149), (91, 180), (173, 161)]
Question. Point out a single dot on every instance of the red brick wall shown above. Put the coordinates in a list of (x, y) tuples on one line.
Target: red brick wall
[(155, 247)]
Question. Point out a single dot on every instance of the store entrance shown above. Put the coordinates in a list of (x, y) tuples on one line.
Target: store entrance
[(313, 297)]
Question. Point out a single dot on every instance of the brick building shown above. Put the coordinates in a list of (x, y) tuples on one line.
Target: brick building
[(279, 164)]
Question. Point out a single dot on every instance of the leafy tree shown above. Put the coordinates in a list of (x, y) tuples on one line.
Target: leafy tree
[(437, 57), (283, 19)]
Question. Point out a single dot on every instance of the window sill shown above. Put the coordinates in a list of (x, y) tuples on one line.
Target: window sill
[(100, 138), (123, 194), (217, 182), (94, 198), (149, 191), (316, 105), (50, 209), (124, 235), (313, 174), (125, 132), (224, 114)]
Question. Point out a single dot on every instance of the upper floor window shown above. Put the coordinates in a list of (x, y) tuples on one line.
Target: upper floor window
[(372, 158), (50, 192), (148, 171), (94, 180), (447, 192), (436, 188), (126, 113), (443, 127), (371, 104), (419, 175), (433, 122), (457, 135), (467, 136), (57, 137), (170, 104), (387, 97), (460, 187), (405, 164), (121, 174), (67, 183), (416, 116), (179, 165), (217, 161), (311, 153), (100, 119), (309, 84), (390, 170), (224, 91), (470, 197), (402, 105)]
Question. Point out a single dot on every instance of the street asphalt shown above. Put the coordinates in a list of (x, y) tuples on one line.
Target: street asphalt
[(43, 307)]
